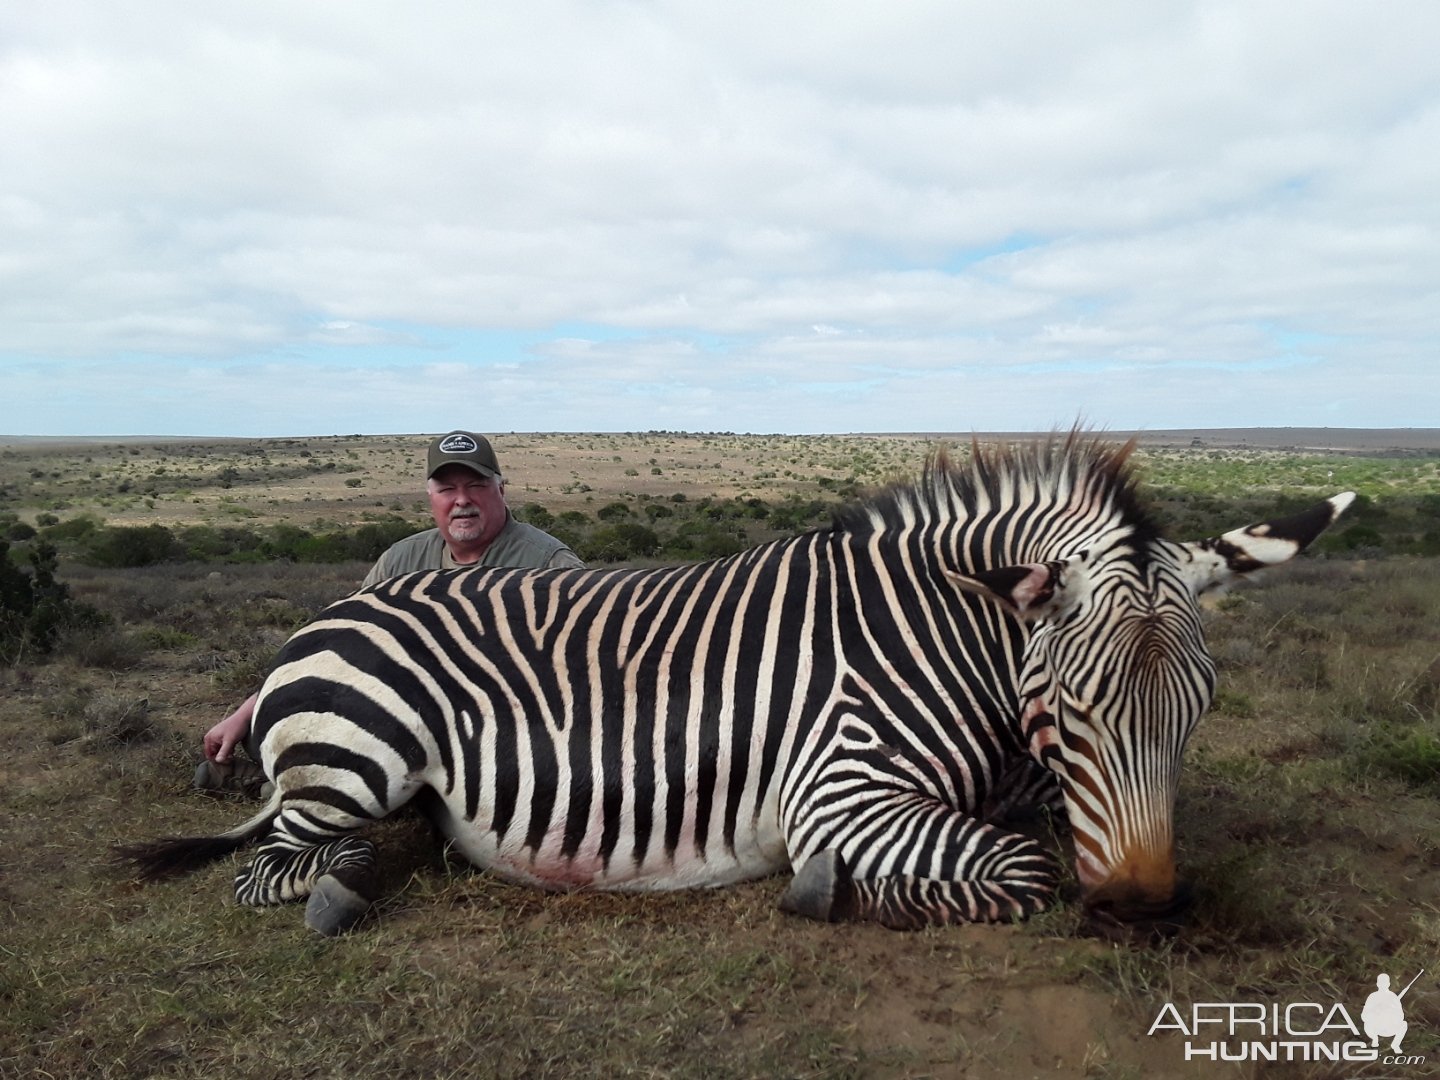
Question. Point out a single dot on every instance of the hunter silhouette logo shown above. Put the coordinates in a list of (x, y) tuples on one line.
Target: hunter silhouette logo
[(1383, 1015)]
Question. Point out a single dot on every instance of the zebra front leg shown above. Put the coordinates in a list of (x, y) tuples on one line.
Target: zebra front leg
[(906, 861), (1023, 789)]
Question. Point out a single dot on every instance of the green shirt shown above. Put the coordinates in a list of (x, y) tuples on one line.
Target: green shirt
[(517, 545)]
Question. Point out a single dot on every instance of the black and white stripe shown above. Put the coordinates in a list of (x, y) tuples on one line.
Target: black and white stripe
[(857, 703)]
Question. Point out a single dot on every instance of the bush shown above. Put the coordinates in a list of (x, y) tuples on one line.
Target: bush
[(124, 546), (535, 514), (1353, 538), (369, 541), (794, 515), (701, 540), (571, 538), (614, 543), (35, 608), (614, 513), (363, 544), (101, 647), (120, 719), (77, 528), (203, 543)]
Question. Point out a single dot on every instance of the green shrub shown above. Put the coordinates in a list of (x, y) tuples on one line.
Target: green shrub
[(204, 543), (614, 543), (124, 546), (369, 541), (167, 637), (365, 543), (77, 528), (795, 515), (1353, 538), (615, 512), (703, 540), (535, 514), (35, 607)]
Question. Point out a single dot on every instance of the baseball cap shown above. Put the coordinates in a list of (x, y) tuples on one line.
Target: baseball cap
[(462, 448)]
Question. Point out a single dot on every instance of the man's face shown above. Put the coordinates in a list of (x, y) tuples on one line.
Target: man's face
[(469, 509)]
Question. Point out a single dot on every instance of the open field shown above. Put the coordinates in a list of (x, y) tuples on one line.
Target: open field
[(1309, 821), (346, 480)]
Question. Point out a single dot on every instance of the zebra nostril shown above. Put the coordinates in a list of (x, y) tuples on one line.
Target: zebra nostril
[(1135, 918), (1183, 899)]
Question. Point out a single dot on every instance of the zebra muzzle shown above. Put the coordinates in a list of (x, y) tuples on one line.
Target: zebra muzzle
[(1130, 917)]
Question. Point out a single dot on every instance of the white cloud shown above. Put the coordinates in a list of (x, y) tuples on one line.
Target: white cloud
[(940, 194)]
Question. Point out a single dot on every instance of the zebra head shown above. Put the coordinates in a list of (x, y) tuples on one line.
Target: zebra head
[(1114, 677)]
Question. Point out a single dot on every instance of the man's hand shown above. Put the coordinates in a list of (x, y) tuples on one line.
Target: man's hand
[(220, 740)]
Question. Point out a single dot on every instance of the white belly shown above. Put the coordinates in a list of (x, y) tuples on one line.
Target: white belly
[(759, 852)]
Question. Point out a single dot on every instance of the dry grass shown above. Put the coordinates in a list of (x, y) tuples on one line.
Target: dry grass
[(304, 481)]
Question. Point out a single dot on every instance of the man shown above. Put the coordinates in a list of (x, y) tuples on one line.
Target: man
[(473, 527)]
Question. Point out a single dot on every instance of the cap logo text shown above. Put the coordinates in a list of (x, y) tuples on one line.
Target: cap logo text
[(457, 444)]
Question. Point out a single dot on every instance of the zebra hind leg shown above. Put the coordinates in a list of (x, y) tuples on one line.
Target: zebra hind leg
[(344, 893), (326, 794), (338, 875)]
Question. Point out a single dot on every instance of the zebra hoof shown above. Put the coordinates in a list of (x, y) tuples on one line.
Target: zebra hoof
[(334, 907), (822, 889)]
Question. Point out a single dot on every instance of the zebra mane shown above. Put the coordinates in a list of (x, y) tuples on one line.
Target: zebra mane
[(1078, 468)]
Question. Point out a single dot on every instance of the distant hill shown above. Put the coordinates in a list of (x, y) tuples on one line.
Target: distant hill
[(1319, 439), (1330, 440)]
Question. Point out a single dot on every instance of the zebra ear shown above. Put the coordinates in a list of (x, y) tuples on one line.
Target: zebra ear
[(1032, 591), (1218, 560)]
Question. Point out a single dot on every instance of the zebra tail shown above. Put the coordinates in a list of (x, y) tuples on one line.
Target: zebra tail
[(172, 856)]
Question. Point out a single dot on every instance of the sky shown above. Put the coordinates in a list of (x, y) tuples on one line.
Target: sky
[(309, 218)]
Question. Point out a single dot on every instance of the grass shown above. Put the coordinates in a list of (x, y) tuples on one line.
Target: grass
[(1308, 826)]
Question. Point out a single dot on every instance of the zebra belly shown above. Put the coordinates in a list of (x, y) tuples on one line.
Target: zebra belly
[(758, 852)]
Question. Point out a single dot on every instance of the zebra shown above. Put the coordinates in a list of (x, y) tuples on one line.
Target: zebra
[(866, 704)]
